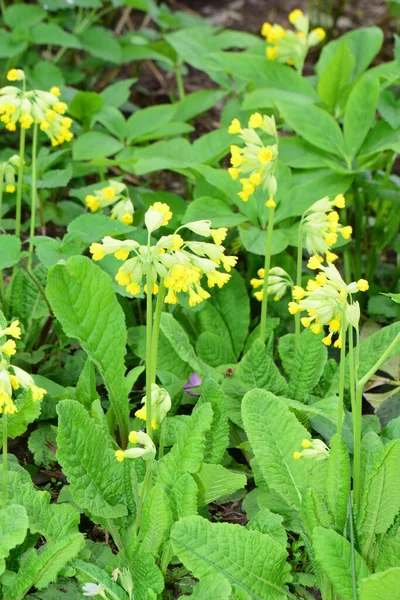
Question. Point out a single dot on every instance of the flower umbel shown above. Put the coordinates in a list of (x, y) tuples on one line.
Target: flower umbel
[(115, 194), (315, 449), (278, 282), (144, 447)]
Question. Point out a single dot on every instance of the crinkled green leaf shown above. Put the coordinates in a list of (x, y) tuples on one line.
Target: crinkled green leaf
[(217, 438), (270, 523), (381, 585), (337, 484), (307, 366), (28, 411), (214, 481), (184, 494), (89, 572), (156, 520), (212, 586), (13, 528), (10, 250)]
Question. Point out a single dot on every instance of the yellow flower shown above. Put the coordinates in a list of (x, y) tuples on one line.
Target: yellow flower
[(305, 321), (316, 328), (255, 178), (92, 202), (346, 232), (334, 325), (270, 203), (266, 29), (14, 381), (331, 257), (177, 241), (15, 75), (141, 413), (295, 15), (171, 297), (314, 262), (218, 235), (108, 193), (264, 156), (127, 218), (119, 455), (10, 188), (339, 201), (37, 393), (320, 33), (272, 52), (294, 308), (327, 340), (55, 91), (298, 292), (164, 209), (14, 330), (9, 348), (97, 251), (60, 107), (256, 120), (233, 172), (235, 127), (297, 455), (120, 254), (26, 120), (331, 238), (306, 443), (243, 196), (154, 289), (362, 285), (133, 288)]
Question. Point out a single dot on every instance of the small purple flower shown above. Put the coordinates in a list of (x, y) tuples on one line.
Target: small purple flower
[(194, 382)]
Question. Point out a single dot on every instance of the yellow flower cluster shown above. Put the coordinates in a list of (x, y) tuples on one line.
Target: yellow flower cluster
[(289, 46), (160, 406), (327, 301), (320, 226), (146, 449), (255, 163), (18, 106), (116, 194), (179, 264), (278, 282), (11, 377), (7, 173), (315, 449)]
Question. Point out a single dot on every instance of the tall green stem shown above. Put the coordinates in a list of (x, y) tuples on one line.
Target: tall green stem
[(2, 292), (19, 184), (5, 451), (353, 374), (33, 194), (267, 264), (149, 353), (298, 277), (342, 374), (357, 419), (143, 493), (156, 330)]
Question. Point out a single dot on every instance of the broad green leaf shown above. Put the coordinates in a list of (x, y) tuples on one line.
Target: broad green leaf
[(381, 498), (83, 300), (360, 112), (184, 494), (214, 481), (287, 351), (217, 438), (95, 144), (255, 370), (213, 350), (252, 562), (91, 228), (335, 75), (389, 552), (113, 120), (381, 585), (194, 104), (55, 178), (156, 520), (147, 120), (212, 146), (93, 573), (10, 250), (299, 154), (88, 461), (84, 105), (28, 411), (63, 586), (308, 365), (86, 391), (42, 444), (270, 523), (315, 125), (212, 586), (389, 108), (117, 93), (13, 528), (10, 46), (50, 33), (187, 453), (219, 213), (382, 137), (274, 434), (148, 580), (337, 483), (23, 15), (101, 43), (27, 299), (255, 240), (210, 320), (38, 570), (333, 554)]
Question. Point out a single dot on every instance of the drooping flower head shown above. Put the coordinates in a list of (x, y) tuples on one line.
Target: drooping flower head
[(114, 193), (288, 46), (19, 106), (320, 226), (160, 406), (94, 589), (8, 170), (328, 301), (315, 449), (255, 163), (180, 264), (143, 447), (278, 282)]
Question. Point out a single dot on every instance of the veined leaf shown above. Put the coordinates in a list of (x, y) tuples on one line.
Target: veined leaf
[(28, 411), (88, 461), (252, 562), (41, 569), (147, 577), (217, 438), (270, 523), (156, 520), (94, 573), (337, 484), (214, 481), (274, 434), (333, 554), (381, 585), (307, 366), (184, 497), (212, 586), (13, 527), (389, 552), (83, 300), (360, 112), (86, 391)]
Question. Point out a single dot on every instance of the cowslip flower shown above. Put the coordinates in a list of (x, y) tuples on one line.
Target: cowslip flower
[(315, 449), (180, 264), (114, 193), (320, 227), (7, 405), (255, 163), (22, 379), (8, 170), (291, 47), (278, 282), (160, 406), (94, 589), (146, 449), (328, 301), (26, 107)]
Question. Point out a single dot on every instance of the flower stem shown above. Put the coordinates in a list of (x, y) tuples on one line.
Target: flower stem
[(298, 278), (143, 493), (342, 374), (5, 433), (19, 184), (33, 194), (2, 292), (156, 330), (149, 353), (267, 263)]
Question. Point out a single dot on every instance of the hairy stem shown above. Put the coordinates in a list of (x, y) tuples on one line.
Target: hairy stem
[(298, 278), (33, 195), (149, 353), (342, 373), (5, 433), (267, 263)]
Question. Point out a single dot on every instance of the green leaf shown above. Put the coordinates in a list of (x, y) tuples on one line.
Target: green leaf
[(298, 154), (10, 250), (382, 137), (117, 93), (308, 365), (156, 520), (252, 562), (381, 585), (270, 523), (113, 120), (13, 528), (333, 554), (38, 570), (23, 15), (212, 349), (184, 497), (255, 370), (255, 240), (274, 434), (147, 120), (92, 228), (360, 113), (217, 438), (85, 104), (335, 75), (389, 108), (337, 483), (95, 144), (88, 461), (315, 125), (212, 586), (88, 571), (55, 178), (102, 44), (199, 102), (214, 481), (40, 443), (219, 213), (86, 391), (10, 46), (83, 300), (28, 411), (146, 576), (50, 33), (381, 498), (389, 552)]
